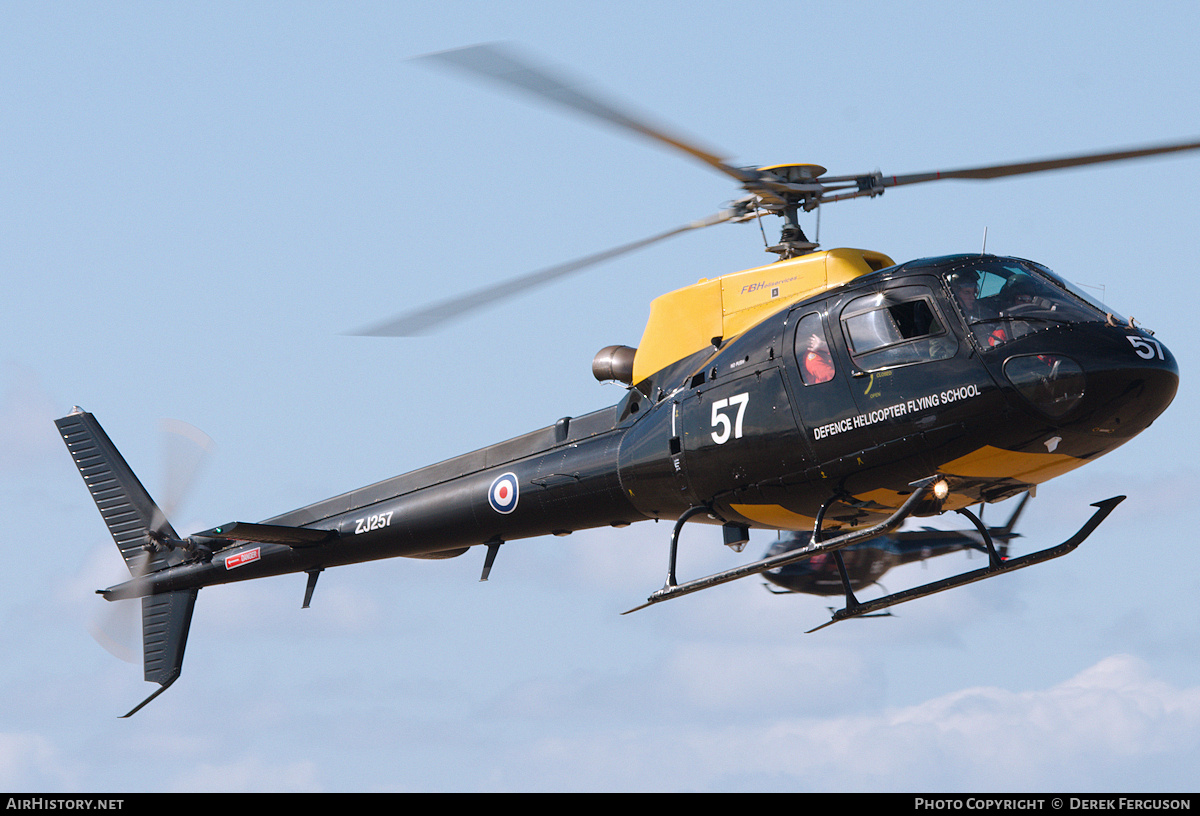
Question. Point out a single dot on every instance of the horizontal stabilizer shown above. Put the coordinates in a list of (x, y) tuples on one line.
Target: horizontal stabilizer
[(270, 534)]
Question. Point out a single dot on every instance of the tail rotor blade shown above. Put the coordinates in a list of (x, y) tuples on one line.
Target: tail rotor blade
[(117, 629), (185, 452)]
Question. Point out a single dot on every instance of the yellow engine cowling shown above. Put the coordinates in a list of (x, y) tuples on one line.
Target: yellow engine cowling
[(686, 320)]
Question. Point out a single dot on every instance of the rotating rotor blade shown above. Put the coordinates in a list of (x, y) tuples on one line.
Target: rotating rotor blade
[(869, 185), (117, 627), (1041, 165), (504, 66), (185, 451), (420, 321)]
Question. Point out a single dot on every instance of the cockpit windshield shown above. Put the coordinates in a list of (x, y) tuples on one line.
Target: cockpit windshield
[(1079, 292), (1003, 299)]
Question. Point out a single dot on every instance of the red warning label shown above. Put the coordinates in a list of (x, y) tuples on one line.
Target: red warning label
[(242, 558)]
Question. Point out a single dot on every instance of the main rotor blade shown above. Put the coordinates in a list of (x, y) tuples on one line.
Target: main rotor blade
[(420, 321), (503, 65), (1039, 166)]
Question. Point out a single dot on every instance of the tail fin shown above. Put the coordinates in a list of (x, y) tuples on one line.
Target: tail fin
[(131, 515), (165, 622), (136, 523)]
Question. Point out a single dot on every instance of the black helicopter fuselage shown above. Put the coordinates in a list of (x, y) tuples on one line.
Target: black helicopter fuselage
[(995, 397)]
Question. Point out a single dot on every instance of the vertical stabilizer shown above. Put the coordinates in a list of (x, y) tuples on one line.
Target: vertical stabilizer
[(165, 622), (127, 509), (136, 524)]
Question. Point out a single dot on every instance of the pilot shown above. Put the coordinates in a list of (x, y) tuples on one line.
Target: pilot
[(965, 286)]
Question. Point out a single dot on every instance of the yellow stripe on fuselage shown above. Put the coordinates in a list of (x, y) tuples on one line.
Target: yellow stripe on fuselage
[(774, 517), (997, 463), (990, 463)]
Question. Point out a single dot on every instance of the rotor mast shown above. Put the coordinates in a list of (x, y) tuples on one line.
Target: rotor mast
[(793, 187)]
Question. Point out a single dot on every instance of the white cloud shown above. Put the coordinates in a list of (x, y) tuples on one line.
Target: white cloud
[(30, 762), (250, 775), (1108, 728)]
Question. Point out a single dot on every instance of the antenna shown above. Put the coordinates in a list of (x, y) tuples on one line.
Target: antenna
[(984, 250)]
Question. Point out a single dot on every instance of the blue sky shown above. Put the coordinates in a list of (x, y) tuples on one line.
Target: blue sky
[(200, 200)]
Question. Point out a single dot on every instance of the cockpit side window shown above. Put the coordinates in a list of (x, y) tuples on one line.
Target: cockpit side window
[(898, 326), (812, 351)]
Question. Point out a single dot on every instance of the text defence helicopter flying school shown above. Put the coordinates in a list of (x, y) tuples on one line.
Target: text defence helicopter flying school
[(834, 392)]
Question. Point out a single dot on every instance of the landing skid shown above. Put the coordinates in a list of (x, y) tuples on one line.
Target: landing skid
[(855, 608)]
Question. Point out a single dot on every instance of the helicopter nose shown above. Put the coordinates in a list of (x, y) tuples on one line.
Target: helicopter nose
[(1128, 397), (1115, 387)]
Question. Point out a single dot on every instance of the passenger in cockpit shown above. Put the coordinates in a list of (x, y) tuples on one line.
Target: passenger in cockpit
[(818, 362)]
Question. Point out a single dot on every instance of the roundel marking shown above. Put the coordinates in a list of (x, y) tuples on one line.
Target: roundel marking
[(503, 493)]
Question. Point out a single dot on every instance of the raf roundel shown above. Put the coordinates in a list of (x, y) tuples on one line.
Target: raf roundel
[(503, 493)]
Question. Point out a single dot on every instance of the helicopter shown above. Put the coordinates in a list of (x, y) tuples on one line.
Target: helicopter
[(854, 568), (834, 391)]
